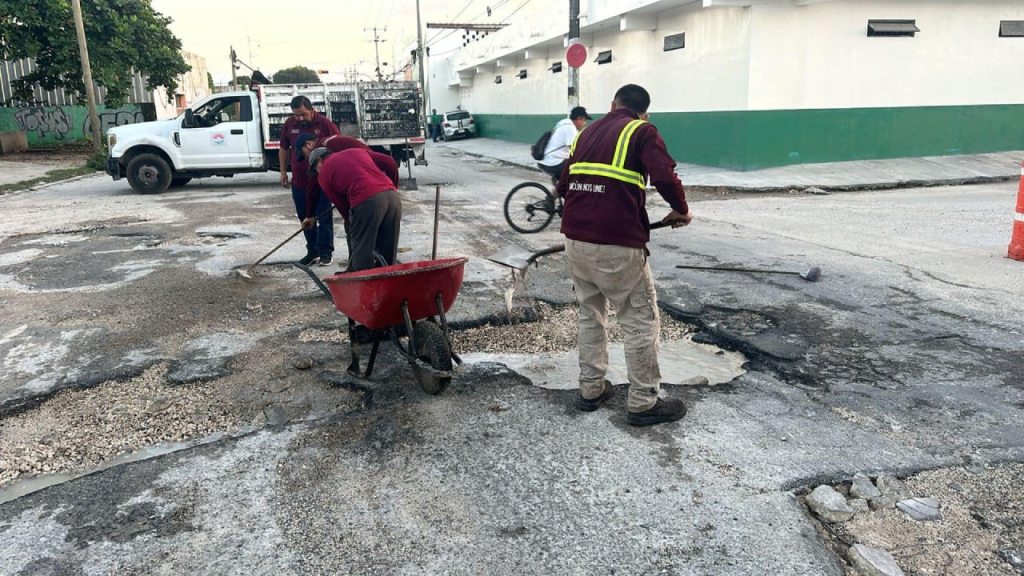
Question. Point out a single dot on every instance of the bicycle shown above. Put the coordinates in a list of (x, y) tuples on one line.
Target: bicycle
[(530, 207)]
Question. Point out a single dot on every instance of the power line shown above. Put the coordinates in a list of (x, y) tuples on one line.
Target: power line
[(521, 6), (429, 40)]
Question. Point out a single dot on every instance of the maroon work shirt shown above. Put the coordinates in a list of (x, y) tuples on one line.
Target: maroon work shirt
[(603, 210), (319, 126), (352, 176)]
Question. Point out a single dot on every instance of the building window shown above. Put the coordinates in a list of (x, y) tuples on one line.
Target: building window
[(604, 57), (497, 79), (522, 74), (892, 28), (1011, 29), (675, 42), (556, 68)]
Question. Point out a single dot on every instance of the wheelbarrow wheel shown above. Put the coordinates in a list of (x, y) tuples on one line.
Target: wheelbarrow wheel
[(432, 348)]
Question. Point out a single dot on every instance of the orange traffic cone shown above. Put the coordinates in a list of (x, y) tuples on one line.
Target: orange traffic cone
[(1016, 250)]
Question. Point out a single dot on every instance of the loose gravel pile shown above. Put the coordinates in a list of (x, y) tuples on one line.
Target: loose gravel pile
[(554, 331), (78, 429)]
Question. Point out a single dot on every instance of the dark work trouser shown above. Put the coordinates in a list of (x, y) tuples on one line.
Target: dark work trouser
[(374, 226), (319, 238)]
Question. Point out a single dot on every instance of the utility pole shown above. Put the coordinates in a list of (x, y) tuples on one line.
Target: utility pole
[(423, 78), (376, 46), (574, 38), (90, 95), (234, 78)]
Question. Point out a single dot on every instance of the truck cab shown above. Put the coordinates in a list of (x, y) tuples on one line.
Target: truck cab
[(219, 136)]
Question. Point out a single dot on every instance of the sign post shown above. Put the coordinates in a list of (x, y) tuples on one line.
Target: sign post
[(573, 39)]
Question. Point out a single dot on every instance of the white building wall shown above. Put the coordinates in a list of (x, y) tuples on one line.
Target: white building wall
[(767, 56), (193, 86), (711, 73), (819, 56)]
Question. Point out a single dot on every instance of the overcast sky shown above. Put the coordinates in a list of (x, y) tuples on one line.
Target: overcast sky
[(318, 34)]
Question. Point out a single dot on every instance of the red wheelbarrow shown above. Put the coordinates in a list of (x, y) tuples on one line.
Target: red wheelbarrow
[(408, 303)]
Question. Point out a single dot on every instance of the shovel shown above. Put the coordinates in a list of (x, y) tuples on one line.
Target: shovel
[(811, 274), (519, 258)]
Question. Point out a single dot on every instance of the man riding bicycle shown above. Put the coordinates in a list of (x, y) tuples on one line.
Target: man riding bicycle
[(556, 153)]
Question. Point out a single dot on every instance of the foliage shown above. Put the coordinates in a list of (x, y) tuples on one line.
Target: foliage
[(296, 75), (243, 81), (209, 81), (98, 160), (122, 35)]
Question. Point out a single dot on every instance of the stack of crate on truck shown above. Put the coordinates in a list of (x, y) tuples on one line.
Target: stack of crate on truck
[(237, 132)]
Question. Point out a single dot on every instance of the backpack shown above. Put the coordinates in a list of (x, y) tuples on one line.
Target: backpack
[(537, 150)]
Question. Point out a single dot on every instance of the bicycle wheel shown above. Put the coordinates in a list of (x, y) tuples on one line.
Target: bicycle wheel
[(529, 208)]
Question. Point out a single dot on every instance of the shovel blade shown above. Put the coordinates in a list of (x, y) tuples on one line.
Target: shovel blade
[(513, 257)]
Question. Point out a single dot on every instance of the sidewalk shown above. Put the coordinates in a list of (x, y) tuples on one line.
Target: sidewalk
[(836, 176)]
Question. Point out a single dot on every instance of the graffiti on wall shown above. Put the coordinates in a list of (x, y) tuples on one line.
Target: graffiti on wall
[(112, 118), (44, 121)]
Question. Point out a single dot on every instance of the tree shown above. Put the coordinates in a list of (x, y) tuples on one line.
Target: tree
[(243, 81), (296, 75), (124, 36), (209, 81)]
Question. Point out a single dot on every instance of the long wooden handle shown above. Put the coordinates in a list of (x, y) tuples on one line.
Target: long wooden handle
[(276, 248), (287, 240)]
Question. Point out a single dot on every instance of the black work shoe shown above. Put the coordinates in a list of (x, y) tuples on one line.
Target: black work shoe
[(309, 259), (325, 260), (662, 411), (586, 405)]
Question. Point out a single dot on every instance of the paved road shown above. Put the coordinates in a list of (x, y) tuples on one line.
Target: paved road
[(905, 356)]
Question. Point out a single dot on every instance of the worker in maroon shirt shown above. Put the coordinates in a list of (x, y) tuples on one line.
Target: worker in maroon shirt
[(306, 123), (357, 182), (606, 228), (337, 144)]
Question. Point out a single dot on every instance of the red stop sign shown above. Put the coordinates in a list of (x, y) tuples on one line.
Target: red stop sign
[(576, 55)]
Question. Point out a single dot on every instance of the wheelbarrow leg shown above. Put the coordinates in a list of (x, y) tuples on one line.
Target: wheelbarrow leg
[(444, 328), (408, 326), (353, 347), (373, 354)]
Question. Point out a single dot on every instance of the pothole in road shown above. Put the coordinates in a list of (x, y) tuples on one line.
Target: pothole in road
[(545, 350), (77, 429)]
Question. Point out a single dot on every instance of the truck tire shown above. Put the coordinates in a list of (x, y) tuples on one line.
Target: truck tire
[(179, 182), (149, 174)]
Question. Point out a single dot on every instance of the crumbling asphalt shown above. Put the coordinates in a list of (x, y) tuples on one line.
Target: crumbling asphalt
[(906, 356)]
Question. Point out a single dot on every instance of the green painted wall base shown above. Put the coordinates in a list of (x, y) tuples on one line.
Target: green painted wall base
[(751, 140)]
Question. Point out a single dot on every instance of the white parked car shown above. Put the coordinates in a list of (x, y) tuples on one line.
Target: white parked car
[(457, 124)]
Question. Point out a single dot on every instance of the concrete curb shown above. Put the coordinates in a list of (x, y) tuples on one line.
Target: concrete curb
[(48, 184)]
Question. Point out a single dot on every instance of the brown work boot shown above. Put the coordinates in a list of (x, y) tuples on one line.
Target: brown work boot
[(662, 411), (589, 405)]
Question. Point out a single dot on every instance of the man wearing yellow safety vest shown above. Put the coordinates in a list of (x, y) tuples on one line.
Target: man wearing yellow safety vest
[(606, 228)]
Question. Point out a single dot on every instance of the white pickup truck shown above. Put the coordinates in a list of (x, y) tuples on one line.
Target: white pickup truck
[(236, 132)]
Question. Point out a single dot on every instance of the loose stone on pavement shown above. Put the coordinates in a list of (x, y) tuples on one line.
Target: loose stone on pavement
[(863, 488), (829, 505), (921, 509), (871, 561)]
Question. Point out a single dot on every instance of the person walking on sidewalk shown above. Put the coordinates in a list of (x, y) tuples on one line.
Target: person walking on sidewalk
[(307, 124), (556, 153), (363, 185), (606, 227)]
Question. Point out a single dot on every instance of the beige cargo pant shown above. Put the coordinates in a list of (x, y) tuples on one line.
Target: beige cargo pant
[(619, 275)]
